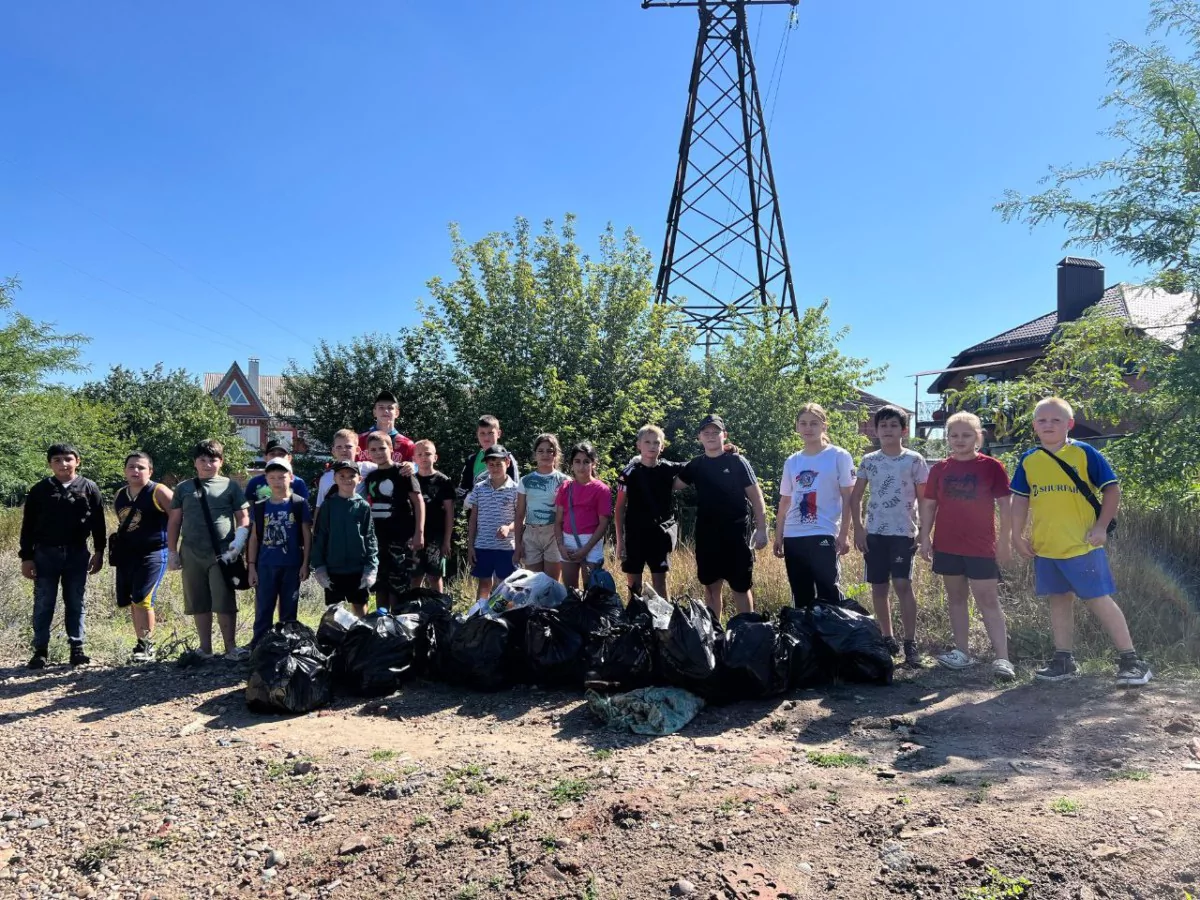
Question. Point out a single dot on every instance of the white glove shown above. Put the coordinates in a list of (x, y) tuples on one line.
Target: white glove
[(368, 579), (239, 542), (174, 563), (322, 577)]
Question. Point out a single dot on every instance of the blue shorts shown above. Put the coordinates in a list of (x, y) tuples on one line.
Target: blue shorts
[(493, 564), (1087, 576)]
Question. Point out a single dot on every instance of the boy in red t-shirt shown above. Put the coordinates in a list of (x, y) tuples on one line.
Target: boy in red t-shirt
[(959, 505)]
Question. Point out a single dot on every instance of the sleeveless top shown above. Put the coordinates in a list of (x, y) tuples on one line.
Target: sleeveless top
[(146, 533)]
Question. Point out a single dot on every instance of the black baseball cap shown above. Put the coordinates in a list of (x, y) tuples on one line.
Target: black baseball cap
[(496, 451), (340, 464), (386, 397), (278, 443), (712, 419)]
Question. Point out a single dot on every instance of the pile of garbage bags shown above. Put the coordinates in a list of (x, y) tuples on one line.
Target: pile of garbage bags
[(531, 633)]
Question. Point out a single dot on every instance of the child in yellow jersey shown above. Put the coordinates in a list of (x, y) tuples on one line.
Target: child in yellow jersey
[(1070, 493)]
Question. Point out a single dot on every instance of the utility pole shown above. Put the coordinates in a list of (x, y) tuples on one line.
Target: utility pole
[(724, 202)]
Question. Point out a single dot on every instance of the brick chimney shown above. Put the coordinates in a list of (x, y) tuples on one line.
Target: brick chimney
[(1080, 286), (253, 373)]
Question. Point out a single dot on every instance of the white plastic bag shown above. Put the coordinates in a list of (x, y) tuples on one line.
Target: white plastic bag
[(523, 588)]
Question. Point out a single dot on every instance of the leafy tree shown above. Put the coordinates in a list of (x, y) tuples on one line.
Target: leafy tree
[(30, 350), (165, 413)]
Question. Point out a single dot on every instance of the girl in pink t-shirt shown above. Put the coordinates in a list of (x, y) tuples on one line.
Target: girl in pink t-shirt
[(583, 507)]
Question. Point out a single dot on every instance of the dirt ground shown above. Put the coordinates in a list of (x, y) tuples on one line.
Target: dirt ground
[(157, 782)]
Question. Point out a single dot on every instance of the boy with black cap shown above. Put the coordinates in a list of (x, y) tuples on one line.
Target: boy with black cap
[(257, 488), (280, 541), (386, 412), (724, 483), (345, 555)]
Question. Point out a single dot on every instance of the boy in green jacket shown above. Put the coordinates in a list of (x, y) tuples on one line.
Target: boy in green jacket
[(345, 555)]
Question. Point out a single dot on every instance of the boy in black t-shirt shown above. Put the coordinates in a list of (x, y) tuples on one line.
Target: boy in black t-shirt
[(644, 516), (398, 513), (437, 491), (724, 483)]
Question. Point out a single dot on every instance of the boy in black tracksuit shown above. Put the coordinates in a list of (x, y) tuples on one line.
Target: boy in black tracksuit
[(60, 513)]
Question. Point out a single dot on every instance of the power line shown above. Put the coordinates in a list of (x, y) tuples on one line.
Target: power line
[(276, 324), (223, 338)]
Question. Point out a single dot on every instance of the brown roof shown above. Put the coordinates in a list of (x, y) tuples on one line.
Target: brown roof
[(270, 390), (871, 402)]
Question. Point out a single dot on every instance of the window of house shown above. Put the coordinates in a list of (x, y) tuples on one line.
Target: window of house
[(235, 395), (250, 434)]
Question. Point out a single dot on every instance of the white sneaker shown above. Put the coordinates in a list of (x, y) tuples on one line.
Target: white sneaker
[(1003, 670), (955, 659), (238, 654)]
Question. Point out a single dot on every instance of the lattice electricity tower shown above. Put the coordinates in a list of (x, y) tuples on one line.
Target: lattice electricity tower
[(724, 202)]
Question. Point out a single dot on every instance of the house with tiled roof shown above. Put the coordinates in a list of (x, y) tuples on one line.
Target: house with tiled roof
[(870, 404), (256, 405), (1005, 356)]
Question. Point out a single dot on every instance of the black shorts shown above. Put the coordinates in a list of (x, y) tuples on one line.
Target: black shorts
[(138, 579), (345, 587), (976, 568), (723, 554), (647, 550), (889, 556), (397, 566), (429, 561)]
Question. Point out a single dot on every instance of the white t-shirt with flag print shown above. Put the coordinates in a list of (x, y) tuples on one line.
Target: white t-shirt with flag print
[(815, 483)]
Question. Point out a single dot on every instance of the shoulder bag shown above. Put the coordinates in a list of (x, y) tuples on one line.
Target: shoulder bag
[(235, 572), (114, 541), (1082, 486)]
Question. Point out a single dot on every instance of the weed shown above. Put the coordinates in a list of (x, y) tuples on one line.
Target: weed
[(779, 725), (468, 891), (387, 840), (602, 753), (384, 755), (833, 797), (812, 785), (278, 768), (549, 842), (903, 800), (477, 787), (1128, 775), (1000, 887), (421, 820), (240, 796), (979, 795), (91, 859), (590, 890), (520, 817), (569, 790), (160, 842), (496, 882), (452, 803), (839, 760), (1065, 806), (728, 805), (790, 789), (947, 779)]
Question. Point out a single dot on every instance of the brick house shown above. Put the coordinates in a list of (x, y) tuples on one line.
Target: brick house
[(256, 405), (1005, 356), (872, 404)]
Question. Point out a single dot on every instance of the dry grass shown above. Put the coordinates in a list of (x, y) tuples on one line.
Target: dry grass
[(1156, 560)]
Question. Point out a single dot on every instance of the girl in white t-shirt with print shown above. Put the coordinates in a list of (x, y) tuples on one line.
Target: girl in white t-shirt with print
[(811, 531)]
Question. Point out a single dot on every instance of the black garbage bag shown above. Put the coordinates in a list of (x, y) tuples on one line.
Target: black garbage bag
[(621, 656), (377, 653), (288, 673), (652, 606), (757, 658), (335, 623), (554, 650), (851, 604), (855, 643), (429, 607), (440, 658), (686, 646), (586, 613), (810, 666), (517, 669), (478, 649)]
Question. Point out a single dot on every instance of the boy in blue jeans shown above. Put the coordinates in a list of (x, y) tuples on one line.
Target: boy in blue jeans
[(61, 511), (1056, 485), (280, 541)]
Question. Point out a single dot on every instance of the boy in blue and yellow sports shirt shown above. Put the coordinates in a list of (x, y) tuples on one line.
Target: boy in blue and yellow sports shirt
[(1059, 486)]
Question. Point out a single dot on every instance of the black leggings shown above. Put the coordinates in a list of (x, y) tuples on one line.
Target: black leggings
[(812, 569)]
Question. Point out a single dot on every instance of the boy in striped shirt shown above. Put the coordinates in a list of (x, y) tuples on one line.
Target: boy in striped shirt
[(492, 504)]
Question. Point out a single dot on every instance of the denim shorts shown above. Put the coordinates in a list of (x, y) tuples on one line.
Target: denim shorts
[(1087, 576)]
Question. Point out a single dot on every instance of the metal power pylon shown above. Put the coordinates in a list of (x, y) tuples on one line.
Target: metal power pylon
[(724, 201)]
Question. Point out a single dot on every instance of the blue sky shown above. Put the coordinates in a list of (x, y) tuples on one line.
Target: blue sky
[(285, 172)]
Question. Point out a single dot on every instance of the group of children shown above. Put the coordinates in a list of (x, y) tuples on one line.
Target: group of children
[(383, 518)]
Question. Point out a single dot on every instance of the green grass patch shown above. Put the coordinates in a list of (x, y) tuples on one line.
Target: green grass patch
[(384, 755), (452, 803), (1000, 887), (947, 779), (839, 760), (421, 820), (1065, 806), (1128, 775), (569, 790), (92, 858), (602, 753)]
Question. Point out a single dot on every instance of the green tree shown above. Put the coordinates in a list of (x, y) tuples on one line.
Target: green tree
[(165, 413)]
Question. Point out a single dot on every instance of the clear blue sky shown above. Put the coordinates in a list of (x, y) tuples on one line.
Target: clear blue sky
[(305, 158)]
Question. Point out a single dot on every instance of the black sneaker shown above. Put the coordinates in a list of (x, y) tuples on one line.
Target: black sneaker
[(38, 660), (892, 645), (912, 658), (1133, 672), (143, 652), (1061, 668), (78, 657)]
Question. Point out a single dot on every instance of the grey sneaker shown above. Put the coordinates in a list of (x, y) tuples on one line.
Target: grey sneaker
[(1061, 668), (143, 652), (1003, 670), (955, 659), (238, 654), (1133, 672), (912, 658)]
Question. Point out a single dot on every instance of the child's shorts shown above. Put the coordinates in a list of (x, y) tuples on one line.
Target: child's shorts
[(540, 545), (1087, 576), (496, 564), (579, 541), (429, 561), (889, 556), (647, 549), (976, 568), (138, 580)]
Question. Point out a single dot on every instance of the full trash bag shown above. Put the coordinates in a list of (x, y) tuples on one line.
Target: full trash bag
[(335, 623), (757, 658), (288, 671), (855, 643), (587, 613), (686, 646), (523, 588), (652, 606), (477, 651), (809, 666), (621, 656), (378, 653), (440, 634), (554, 650), (430, 609)]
